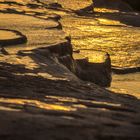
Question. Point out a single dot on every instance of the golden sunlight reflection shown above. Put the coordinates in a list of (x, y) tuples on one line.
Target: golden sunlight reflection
[(55, 103), (104, 21), (94, 56), (106, 10), (35, 103), (82, 101), (58, 103)]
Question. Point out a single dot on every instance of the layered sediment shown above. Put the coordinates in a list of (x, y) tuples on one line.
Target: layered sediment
[(42, 92), (11, 37), (111, 30)]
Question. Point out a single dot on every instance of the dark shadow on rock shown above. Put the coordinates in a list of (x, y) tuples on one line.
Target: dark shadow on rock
[(131, 19), (13, 78), (111, 4), (100, 109), (135, 4), (98, 73), (86, 10), (128, 18), (20, 39), (11, 3), (118, 70)]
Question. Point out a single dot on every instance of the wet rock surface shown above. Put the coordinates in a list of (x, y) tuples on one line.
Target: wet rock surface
[(40, 96), (112, 31)]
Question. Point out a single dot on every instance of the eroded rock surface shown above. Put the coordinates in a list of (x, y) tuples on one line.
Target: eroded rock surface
[(112, 31), (41, 98)]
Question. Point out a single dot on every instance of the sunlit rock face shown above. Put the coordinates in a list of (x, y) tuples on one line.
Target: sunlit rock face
[(75, 4), (21, 21)]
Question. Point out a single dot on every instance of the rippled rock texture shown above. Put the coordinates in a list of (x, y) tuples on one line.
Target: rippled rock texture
[(113, 31), (40, 95)]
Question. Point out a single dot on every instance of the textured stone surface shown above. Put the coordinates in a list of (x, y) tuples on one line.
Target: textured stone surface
[(112, 31), (11, 37), (39, 97)]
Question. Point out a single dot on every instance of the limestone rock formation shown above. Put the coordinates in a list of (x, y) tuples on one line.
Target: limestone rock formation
[(11, 37), (40, 95)]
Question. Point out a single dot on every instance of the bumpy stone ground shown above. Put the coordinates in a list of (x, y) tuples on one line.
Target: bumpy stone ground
[(40, 98), (116, 31)]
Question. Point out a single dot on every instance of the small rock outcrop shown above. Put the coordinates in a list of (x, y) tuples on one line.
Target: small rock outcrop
[(98, 73), (11, 37)]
